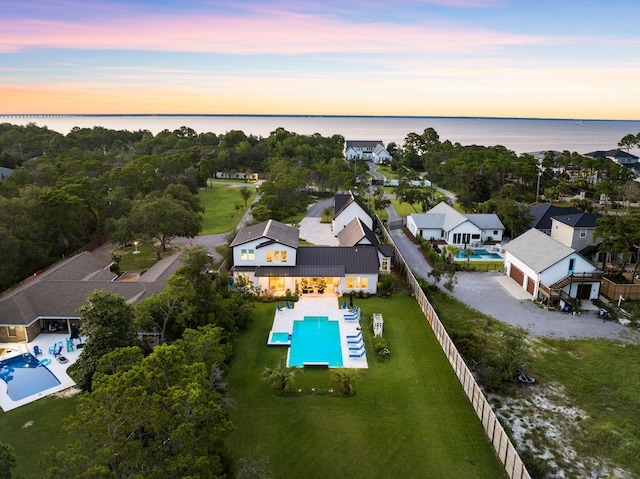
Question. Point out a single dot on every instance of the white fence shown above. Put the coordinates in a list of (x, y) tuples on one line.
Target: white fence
[(502, 445)]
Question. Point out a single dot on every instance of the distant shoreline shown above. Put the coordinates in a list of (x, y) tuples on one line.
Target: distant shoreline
[(264, 115)]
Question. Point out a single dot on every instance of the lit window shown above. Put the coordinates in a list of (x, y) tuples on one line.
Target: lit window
[(243, 254), (276, 256), (269, 256), (284, 256), (365, 282), (385, 264)]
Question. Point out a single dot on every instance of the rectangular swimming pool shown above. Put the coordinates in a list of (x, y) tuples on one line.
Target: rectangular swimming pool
[(478, 254), (25, 376), (315, 340)]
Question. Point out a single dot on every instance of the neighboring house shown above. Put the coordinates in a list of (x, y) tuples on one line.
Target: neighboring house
[(358, 233), (267, 257), (541, 215), (444, 223), (49, 301), (366, 150), (576, 231), (619, 156), (345, 208), (549, 270)]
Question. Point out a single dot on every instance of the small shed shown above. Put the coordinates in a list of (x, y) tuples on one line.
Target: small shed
[(378, 323)]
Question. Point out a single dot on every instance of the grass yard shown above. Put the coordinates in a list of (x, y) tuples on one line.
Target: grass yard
[(404, 209), (409, 417), (33, 429), (220, 202)]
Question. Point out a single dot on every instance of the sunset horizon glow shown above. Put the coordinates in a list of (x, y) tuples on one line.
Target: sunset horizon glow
[(467, 58)]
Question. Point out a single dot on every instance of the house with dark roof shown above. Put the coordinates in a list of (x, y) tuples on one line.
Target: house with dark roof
[(344, 208), (619, 156), (542, 213), (49, 301), (445, 223), (267, 256), (357, 233), (550, 271), (367, 151), (577, 231)]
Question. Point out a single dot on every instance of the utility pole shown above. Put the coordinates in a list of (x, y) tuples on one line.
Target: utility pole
[(539, 175)]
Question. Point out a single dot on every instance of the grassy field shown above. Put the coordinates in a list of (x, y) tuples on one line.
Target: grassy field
[(598, 376), (33, 429), (409, 417), (220, 202)]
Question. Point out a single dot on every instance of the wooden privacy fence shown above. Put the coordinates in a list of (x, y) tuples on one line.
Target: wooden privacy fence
[(614, 290), (504, 448)]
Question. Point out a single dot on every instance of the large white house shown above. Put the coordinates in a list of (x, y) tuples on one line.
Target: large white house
[(549, 270), (366, 150), (267, 256), (444, 223)]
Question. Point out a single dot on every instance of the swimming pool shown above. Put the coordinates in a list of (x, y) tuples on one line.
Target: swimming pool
[(25, 376), (478, 254), (315, 340), (279, 339)]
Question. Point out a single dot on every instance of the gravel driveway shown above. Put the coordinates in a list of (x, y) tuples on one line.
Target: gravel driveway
[(493, 294)]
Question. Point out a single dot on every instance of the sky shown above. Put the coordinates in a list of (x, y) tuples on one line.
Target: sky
[(577, 59)]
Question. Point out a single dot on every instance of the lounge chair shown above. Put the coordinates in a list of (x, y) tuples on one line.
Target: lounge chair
[(37, 351), (357, 348), (287, 305), (355, 336), (357, 355), (354, 341), (278, 307)]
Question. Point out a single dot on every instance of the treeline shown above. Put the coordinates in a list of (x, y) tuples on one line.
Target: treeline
[(67, 190)]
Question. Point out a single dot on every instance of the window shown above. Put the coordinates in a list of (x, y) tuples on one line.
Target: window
[(247, 254), (357, 282), (385, 264), (276, 256), (12, 331), (583, 232)]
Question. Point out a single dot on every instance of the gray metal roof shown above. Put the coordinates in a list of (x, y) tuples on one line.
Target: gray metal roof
[(361, 259), (452, 217), (309, 271), (342, 200), (538, 250), (272, 229)]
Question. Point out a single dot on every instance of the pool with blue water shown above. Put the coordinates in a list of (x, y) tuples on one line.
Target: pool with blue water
[(478, 254), (315, 340), (25, 376)]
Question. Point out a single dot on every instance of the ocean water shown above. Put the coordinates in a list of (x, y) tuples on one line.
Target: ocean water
[(521, 135)]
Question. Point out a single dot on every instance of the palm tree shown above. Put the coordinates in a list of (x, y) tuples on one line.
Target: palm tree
[(346, 379), (281, 378)]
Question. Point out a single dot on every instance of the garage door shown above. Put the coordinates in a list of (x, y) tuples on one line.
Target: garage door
[(516, 274), (531, 286)]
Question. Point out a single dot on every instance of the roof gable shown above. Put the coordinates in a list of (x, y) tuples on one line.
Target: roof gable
[(580, 220), (538, 250), (452, 218), (271, 229), (543, 212), (341, 202)]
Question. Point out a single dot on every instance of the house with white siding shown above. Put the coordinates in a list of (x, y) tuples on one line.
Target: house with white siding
[(444, 223), (550, 271)]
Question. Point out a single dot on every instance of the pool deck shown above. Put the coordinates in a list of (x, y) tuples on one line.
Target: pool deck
[(44, 341), (321, 305)]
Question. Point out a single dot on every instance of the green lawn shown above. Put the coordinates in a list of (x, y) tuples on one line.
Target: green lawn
[(219, 202), (33, 429), (409, 417)]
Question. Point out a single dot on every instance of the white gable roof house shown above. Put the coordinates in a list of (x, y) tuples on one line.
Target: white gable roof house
[(345, 208), (550, 271), (366, 150), (444, 223)]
